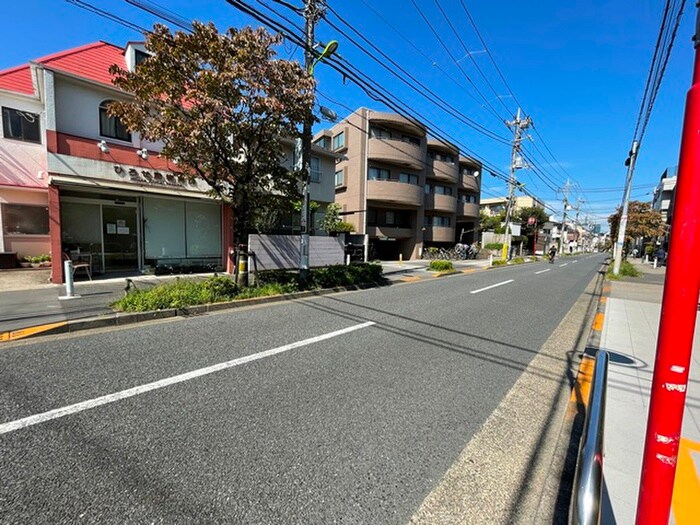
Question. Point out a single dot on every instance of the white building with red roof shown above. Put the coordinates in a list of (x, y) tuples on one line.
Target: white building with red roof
[(74, 181)]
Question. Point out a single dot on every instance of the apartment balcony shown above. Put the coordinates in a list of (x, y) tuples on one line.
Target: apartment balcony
[(439, 234), (390, 232), (469, 182), (444, 171), (398, 152), (394, 121), (438, 202), (394, 192), (468, 210)]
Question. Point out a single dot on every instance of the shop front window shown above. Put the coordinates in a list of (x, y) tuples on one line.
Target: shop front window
[(21, 219)]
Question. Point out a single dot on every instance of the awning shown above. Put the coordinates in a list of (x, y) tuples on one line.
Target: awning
[(132, 187)]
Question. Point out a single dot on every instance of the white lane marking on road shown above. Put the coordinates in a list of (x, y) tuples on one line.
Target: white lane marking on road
[(573, 262), (542, 271), (562, 265), (492, 286), (131, 392)]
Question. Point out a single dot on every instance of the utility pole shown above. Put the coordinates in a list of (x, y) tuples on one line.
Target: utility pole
[(516, 163), (576, 224), (313, 10), (563, 220), (674, 346), (622, 227)]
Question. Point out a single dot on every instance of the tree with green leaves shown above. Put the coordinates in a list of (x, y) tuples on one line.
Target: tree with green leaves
[(491, 222), (220, 103), (332, 222), (642, 222)]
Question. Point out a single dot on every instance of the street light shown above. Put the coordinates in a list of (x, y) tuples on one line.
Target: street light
[(328, 51), (309, 64)]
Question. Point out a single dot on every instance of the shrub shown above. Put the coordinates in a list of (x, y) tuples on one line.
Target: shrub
[(285, 277), (627, 269), (518, 260), (499, 262), (494, 246), (183, 292), (340, 275), (441, 266), (267, 290), (178, 294)]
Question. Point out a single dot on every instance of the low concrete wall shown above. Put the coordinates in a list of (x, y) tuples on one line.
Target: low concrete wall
[(277, 252)]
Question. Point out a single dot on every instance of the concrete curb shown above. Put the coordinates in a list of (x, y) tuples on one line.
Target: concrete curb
[(571, 432), (127, 318)]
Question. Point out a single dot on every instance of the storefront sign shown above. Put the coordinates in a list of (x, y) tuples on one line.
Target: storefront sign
[(159, 178)]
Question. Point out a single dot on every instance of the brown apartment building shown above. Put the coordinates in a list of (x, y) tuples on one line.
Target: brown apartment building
[(403, 189)]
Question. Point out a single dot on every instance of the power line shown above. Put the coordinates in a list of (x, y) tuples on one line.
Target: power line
[(440, 102), (469, 54), (371, 87), (109, 16), (447, 50), (659, 61)]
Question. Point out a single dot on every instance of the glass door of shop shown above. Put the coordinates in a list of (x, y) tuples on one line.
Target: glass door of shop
[(120, 238)]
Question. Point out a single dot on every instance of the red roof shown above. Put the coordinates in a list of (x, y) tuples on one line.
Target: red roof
[(91, 61)]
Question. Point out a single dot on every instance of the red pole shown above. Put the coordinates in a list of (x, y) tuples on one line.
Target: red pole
[(677, 324)]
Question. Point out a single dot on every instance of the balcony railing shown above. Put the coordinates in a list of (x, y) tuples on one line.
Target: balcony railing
[(467, 209), (395, 192), (445, 171), (439, 202), (394, 151)]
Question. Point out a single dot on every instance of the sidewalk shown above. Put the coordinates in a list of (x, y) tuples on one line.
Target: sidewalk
[(26, 300), (629, 333)]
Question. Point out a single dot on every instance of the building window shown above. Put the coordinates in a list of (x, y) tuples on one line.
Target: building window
[(20, 125), (339, 140), (378, 174), (442, 157), (438, 189), (140, 56), (468, 198), (389, 218), (323, 142), (315, 169), (436, 220), (339, 178), (411, 139), (110, 126), (372, 217), (408, 178), (22, 219), (379, 133)]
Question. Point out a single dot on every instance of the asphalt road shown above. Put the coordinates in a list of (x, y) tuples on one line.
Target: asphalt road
[(362, 405)]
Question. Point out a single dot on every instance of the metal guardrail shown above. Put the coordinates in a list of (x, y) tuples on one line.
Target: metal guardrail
[(588, 487)]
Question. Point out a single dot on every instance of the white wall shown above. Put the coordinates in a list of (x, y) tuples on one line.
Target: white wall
[(78, 111), (23, 159)]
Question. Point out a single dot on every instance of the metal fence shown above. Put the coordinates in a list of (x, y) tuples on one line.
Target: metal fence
[(588, 487)]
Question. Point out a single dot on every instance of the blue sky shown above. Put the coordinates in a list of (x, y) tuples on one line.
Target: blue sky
[(577, 67)]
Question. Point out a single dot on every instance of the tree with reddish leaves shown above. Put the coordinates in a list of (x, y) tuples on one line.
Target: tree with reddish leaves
[(642, 222), (220, 103)]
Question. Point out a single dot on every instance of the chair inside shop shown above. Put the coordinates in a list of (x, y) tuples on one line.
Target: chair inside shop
[(77, 265)]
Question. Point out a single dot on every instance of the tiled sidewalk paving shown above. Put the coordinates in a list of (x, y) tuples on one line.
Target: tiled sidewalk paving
[(630, 331)]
